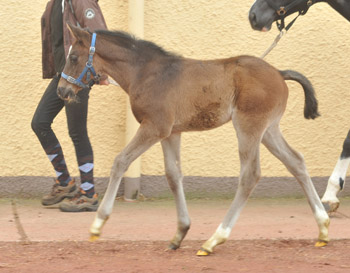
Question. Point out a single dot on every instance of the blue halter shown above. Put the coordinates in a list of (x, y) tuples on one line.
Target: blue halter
[(88, 69)]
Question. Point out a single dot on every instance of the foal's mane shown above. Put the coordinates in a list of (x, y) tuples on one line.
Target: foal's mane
[(128, 41)]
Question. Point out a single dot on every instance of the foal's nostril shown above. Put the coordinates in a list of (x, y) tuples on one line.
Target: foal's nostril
[(64, 93), (60, 92)]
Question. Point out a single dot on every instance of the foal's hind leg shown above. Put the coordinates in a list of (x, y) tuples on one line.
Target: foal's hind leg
[(337, 180), (274, 141), (171, 150), (146, 136), (249, 143)]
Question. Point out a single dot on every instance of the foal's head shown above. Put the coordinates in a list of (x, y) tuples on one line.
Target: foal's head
[(73, 79)]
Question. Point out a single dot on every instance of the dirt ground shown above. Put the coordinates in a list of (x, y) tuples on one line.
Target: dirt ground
[(271, 235)]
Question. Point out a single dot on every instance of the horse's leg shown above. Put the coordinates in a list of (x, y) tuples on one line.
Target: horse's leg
[(337, 179), (171, 150), (276, 144), (248, 144), (146, 136)]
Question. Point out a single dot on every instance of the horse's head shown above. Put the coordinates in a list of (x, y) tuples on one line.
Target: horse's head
[(81, 69), (261, 15), (264, 12)]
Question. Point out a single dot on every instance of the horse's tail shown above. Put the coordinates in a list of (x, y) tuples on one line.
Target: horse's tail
[(311, 104)]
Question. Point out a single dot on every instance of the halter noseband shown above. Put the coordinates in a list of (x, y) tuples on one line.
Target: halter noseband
[(88, 70), (282, 11)]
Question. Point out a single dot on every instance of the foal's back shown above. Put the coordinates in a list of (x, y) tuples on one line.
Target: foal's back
[(211, 92)]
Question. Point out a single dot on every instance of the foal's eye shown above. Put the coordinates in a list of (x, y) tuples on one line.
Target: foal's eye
[(73, 59)]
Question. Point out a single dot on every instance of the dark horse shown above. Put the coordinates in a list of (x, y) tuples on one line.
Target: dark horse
[(261, 15), (264, 12), (170, 94)]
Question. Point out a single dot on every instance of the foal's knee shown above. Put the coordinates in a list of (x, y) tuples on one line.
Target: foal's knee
[(248, 180), (251, 172), (120, 165), (297, 164)]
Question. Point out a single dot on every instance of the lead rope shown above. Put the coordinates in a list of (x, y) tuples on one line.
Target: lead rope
[(280, 35), (273, 45)]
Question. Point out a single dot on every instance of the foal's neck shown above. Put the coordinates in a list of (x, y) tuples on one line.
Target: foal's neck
[(118, 62)]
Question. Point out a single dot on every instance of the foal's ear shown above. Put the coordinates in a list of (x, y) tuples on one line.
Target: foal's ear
[(78, 33), (72, 29)]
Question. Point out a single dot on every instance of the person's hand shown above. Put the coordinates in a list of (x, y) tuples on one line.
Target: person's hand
[(104, 80)]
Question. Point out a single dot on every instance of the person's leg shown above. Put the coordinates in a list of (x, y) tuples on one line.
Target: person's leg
[(77, 124), (48, 108)]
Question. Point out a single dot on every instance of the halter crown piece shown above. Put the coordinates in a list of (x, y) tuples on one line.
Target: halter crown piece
[(88, 70)]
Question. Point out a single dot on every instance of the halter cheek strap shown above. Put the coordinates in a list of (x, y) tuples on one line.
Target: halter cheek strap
[(88, 70), (282, 10)]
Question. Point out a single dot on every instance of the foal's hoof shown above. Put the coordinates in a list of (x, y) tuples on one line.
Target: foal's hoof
[(321, 243), (172, 246), (93, 238), (331, 207), (203, 252)]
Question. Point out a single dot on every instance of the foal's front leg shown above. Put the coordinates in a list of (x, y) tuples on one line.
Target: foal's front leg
[(145, 137), (337, 179), (171, 151)]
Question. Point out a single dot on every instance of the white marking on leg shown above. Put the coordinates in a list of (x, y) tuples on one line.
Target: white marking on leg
[(220, 236), (333, 186), (97, 225), (322, 220)]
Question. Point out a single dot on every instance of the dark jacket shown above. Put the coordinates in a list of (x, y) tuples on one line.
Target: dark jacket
[(87, 14)]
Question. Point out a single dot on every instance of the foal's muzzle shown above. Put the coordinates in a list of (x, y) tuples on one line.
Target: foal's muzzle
[(66, 94)]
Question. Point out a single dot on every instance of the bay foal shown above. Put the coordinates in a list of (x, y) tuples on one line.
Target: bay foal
[(170, 94)]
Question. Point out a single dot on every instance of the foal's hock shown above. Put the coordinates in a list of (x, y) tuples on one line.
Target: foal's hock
[(170, 94)]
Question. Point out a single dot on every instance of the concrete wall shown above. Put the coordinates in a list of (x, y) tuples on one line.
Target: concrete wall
[(317, 45)]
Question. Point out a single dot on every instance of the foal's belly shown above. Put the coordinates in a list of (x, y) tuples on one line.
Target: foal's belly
[(203, 117)]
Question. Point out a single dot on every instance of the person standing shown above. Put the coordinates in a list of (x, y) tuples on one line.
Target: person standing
[(56, 42)]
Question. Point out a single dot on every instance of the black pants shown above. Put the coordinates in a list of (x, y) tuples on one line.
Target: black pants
[(49, 106)]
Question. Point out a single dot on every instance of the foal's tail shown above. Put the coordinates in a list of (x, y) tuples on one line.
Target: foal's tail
[(311, 104)]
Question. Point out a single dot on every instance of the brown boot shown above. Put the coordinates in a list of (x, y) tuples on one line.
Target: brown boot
[(80, 203), (58, 193)]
